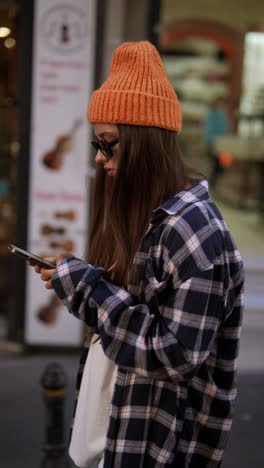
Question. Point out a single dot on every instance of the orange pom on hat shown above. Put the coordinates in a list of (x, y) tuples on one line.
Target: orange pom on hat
[(137, 91)]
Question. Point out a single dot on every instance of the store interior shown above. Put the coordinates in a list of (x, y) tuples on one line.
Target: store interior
[(201, 72)]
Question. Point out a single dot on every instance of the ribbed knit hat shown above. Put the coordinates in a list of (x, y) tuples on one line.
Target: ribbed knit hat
[(137, 91)]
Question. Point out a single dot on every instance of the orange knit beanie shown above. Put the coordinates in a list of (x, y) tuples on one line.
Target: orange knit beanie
[(137, 91)]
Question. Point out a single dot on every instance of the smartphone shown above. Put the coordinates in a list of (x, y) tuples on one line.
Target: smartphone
[(29, 256)]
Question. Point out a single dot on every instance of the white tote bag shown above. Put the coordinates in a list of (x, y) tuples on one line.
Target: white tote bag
[(93, 407)]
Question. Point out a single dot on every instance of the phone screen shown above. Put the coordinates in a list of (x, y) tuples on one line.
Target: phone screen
[(32, 257)]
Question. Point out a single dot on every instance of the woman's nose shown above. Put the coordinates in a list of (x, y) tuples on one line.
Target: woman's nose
[(100, 157)]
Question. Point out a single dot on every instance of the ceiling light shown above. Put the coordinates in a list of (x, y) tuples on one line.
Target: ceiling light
[(255, 38), (4, 31), (10, 42)]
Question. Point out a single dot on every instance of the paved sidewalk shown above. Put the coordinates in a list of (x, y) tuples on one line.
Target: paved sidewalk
[(22, 428)]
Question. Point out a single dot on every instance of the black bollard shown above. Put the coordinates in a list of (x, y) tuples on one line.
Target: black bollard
[(53, 382)]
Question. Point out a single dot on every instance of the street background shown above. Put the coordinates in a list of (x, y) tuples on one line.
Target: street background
[(214, 31)]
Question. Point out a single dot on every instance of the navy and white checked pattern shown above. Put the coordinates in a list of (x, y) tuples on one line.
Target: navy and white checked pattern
[(174, 335)]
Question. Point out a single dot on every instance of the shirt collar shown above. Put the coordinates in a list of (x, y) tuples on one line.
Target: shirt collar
[(188, 196)]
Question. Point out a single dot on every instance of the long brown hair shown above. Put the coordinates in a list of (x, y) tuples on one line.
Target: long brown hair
[(150, 171)]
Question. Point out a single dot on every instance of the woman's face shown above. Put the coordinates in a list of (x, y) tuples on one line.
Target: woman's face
[(107, 133)]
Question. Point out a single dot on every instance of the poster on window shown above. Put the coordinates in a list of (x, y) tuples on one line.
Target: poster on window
[(63, 63)]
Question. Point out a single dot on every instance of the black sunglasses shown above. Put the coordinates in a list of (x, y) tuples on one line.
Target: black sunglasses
[(105, 147)]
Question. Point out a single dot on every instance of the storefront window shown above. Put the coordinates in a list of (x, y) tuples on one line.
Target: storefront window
[(252, 100)]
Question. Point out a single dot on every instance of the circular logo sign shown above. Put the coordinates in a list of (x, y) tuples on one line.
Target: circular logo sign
[(64, 28)]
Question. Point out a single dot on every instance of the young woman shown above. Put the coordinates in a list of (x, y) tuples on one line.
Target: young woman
[(163, 286)]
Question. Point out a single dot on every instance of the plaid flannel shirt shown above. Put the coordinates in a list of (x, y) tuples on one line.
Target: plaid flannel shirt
[(174, 335)]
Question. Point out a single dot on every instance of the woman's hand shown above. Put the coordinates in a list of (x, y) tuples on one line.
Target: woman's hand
[(46, 274)]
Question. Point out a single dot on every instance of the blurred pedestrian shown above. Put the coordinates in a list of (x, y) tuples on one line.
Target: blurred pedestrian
[(162, 290), (215, 123)]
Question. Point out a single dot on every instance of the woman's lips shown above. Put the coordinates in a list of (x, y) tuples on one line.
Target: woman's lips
[(110, 172)]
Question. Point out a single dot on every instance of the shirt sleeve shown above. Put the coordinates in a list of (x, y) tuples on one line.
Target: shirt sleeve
[(169, 340)]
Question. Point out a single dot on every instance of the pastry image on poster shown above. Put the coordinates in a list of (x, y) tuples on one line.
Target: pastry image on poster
[(47, 230), (69, 215), (67, 245), (54, 158)]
